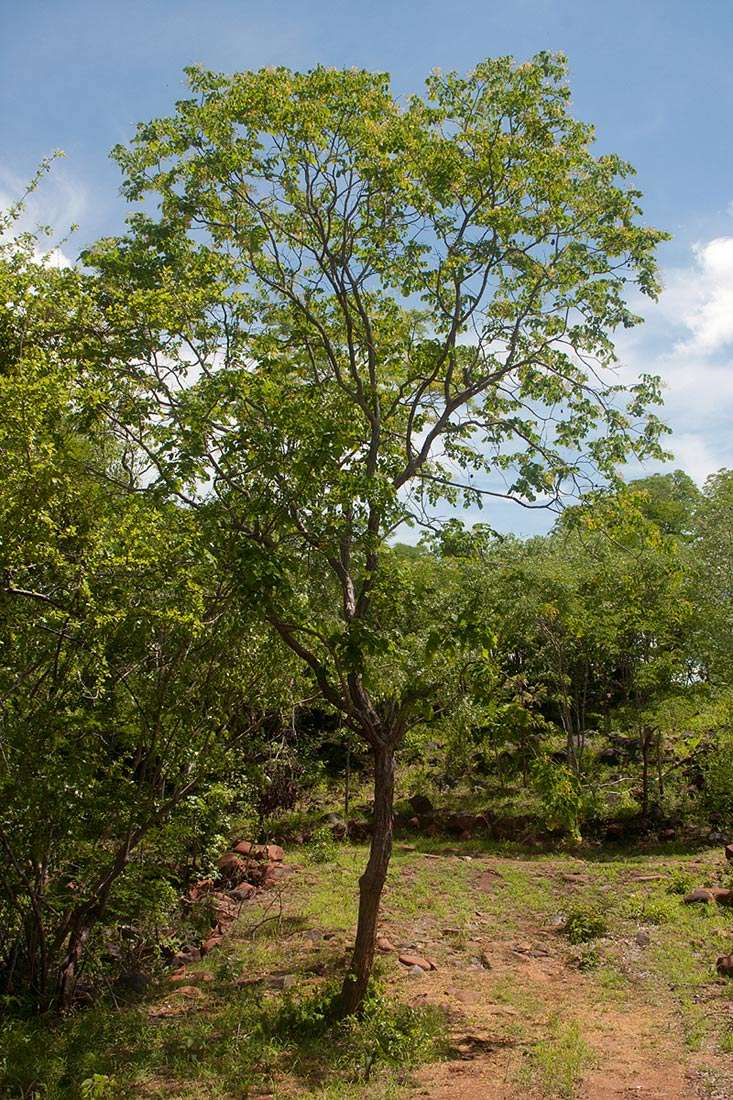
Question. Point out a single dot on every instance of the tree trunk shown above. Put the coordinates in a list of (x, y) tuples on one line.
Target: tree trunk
[(371, 884), (645, 739)]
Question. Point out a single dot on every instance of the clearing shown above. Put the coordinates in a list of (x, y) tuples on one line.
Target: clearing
[(636, 1011)]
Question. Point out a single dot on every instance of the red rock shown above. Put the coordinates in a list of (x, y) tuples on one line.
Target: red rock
[(700, 894), (274, 872), (211, 943), (243, 892), (729, 851), (247, 848), (275, 853), (179, 975), (723, 897), (417, 960), (231, 865), (384, 945), (724, 965), (200, 888)]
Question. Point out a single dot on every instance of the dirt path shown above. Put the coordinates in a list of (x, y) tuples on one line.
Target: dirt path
[(531, 1025)]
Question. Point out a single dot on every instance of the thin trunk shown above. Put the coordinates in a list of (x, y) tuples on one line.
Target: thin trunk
[(645, 772), (347, 786), (371, 884)]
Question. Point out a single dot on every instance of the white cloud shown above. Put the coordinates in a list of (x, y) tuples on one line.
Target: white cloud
[(59, 203), (688, 341), (700, 297)]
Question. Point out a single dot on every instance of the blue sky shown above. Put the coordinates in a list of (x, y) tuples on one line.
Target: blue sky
[(655, 76)]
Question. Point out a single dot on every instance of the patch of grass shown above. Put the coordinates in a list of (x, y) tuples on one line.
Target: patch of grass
[(650, 909), (322, 846), (237, 1041), (680, 882), (556, 1064)]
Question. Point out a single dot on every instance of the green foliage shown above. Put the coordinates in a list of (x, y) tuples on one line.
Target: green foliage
[(561, 796), (648, 909), (557, 1063), (322, 847), (680, 882), (384, 1032), (584, 923)]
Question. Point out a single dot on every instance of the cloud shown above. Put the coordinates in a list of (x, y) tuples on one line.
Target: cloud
[(700, 297), (51, 210), (688, 340)]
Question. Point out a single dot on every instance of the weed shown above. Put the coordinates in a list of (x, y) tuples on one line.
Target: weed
[(650, 910), (679, 882), (584, 923), (556, 1064), (322, 846)]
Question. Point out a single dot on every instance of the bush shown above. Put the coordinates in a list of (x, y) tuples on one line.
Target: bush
[(322, 847), (584, 923), (649, 910), (385, 1032), (679, 882)]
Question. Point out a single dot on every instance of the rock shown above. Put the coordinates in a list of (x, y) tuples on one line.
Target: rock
[(186, 955), (385, 945), (698, 895), (417, 960), (416, 971), (723, 897), (273, 852), (729, 852), (200, 888), (313, 935), (273, 873), (668, 834), (247, 848), (414, 822), (724, 965), (642, 938), (211, 943), (231, 866), (421, 804), (243, 892), (225, 909)]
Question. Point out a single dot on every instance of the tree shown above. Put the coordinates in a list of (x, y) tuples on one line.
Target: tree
[(348, 310), (130, 681), (712, 573)]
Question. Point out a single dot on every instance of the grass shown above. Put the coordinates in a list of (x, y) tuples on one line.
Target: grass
[(557, 1064), (242, 1033)]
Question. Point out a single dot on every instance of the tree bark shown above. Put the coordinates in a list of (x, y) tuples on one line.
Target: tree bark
[(371, 884)]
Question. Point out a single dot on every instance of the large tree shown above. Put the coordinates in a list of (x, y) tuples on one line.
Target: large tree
[(348, 309)]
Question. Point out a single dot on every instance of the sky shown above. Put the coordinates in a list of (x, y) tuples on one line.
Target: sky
[(654, 76)]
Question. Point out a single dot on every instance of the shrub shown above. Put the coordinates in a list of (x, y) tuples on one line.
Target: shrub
[(649, 910), (584, 923), (679, 882), (322, 847)]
